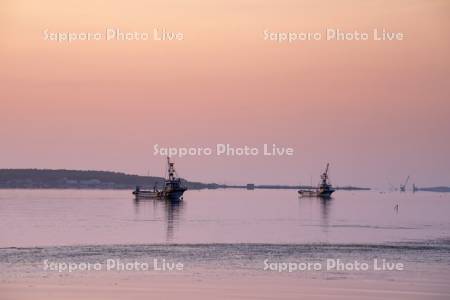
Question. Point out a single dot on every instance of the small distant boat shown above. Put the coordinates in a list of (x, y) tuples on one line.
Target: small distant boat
[(173, 187), (403, 186), (324, 190)]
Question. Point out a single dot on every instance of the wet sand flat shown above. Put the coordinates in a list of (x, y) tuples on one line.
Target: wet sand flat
[(225, 287)]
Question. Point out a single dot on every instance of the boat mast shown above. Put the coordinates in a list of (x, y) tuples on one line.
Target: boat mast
[(325, 175), (170, 169)]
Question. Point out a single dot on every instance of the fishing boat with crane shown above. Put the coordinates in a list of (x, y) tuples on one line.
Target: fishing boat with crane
[(173, 187), (324, 190)]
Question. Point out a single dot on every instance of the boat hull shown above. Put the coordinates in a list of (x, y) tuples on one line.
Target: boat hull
[(149, 194), (313, 193), (174, 195)]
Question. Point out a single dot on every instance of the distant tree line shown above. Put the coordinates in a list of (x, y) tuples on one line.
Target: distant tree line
[(37, 178)]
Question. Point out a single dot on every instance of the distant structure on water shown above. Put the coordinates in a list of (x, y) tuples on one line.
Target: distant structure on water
[(403, 186), (324, 190), (173, 187)]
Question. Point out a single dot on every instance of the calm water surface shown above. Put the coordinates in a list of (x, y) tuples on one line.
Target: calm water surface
[(30, 218), (220, 232)]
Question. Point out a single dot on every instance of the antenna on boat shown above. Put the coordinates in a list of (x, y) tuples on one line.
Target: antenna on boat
[(172, 173), (170, 169)]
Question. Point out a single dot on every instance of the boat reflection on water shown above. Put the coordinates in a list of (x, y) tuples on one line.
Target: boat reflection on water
[(171, 209), (325, 204)]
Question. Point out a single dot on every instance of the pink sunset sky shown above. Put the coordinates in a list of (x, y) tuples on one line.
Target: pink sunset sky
[(376, 110)]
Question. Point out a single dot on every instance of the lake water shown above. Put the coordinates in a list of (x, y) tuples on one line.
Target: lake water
[(30, 218), (216, 231)]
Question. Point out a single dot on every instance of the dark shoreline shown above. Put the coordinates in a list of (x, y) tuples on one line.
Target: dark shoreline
[(102, 180)]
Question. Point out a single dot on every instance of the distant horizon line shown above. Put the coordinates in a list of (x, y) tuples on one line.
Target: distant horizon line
[(194, 181), (188, 180)]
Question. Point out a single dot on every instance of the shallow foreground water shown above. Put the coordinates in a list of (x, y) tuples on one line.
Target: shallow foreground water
[(232, 244), (30, 218)]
